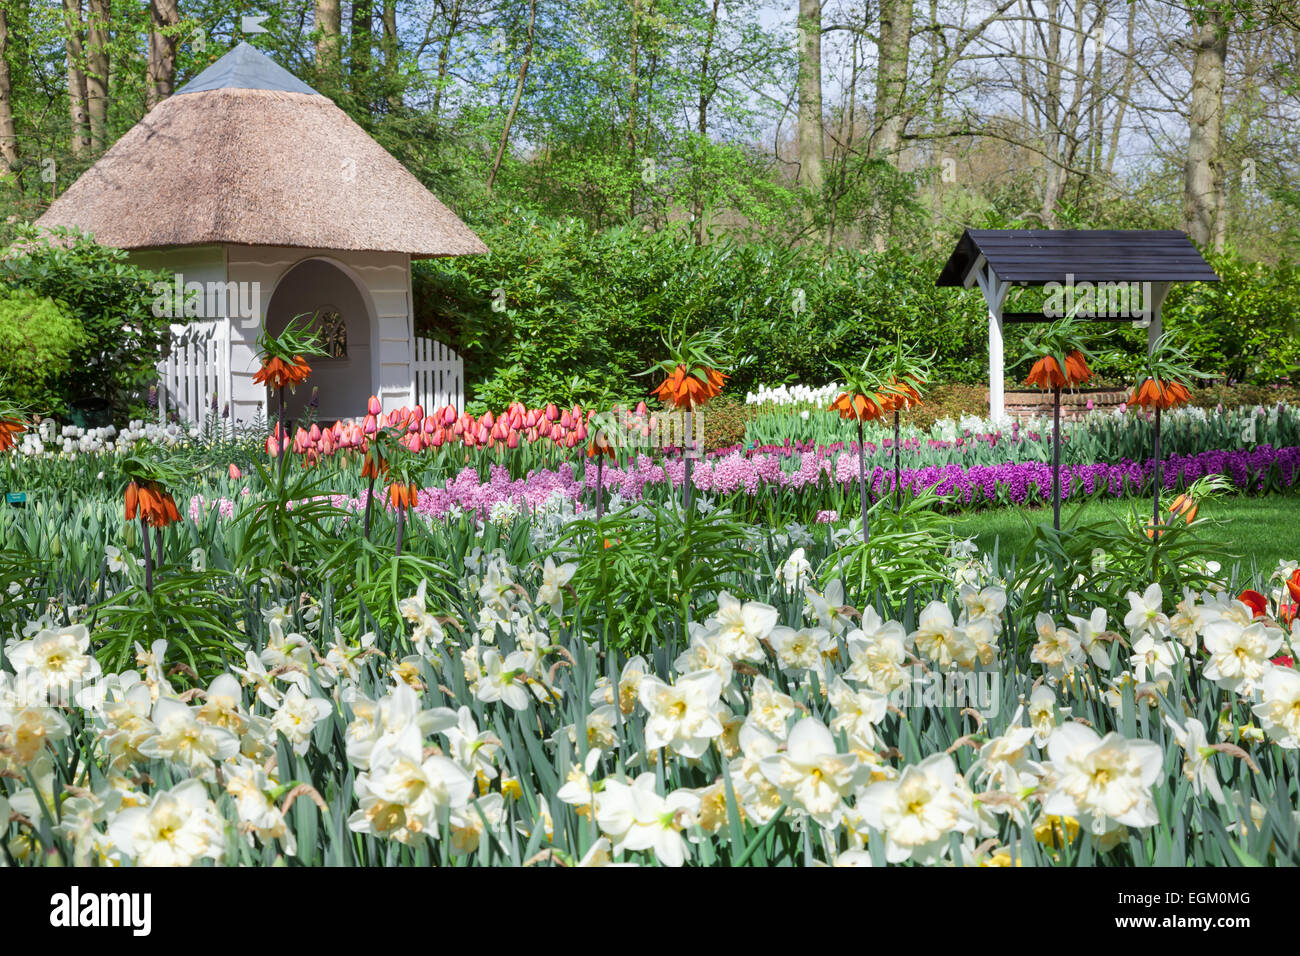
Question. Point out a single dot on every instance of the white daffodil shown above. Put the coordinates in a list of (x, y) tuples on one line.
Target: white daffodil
[(682, 715), (473, 749), (701, 655), (59, 656), (505, 680), (1153, 659), (1088, 631), (1004, 761), (1188, 621), (986, 604), (223, 705), (1199, 765), (297, 717), (810, 774), (917, 811), (1042, 714), (1279, 709), (802, 649), (178, 827), (469, 834), (738, 628), (794, 572), (401, 796), (1239, 656), (1146, 615), (249, 786), (857, 712), (1103, 779), (876, 657), (938, 639), (769, 708), (376, 725), (554, 578), (1058, 648), (829, 607), (635, 817), (181, 737)]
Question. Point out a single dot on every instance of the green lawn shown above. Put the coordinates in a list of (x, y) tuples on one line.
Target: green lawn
[(1266, 530)]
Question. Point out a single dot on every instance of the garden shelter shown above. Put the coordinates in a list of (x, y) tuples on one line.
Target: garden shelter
[(269, 203), (1119, 275)]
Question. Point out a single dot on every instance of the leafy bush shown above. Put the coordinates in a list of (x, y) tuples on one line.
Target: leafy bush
[(37, 339), (561, 312), (112, 300)]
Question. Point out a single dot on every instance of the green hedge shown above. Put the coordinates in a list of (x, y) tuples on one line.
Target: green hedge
[(37, 339), (581, 312)]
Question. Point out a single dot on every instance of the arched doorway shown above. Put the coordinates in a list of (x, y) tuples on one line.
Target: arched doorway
[(319, 292)]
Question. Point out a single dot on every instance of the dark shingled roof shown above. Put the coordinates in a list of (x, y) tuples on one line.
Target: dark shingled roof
[(1039, 256), (245, 68)]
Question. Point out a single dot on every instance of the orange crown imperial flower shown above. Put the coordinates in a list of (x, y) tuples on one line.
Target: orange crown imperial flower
[(1047, 373), (1153, 394), (8, 428), (859, 407), (402, 495), (150, 501), (277, 373), (685, 389)]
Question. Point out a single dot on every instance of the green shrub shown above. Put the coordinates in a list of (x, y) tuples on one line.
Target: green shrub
[(116, 358), (37, 338)]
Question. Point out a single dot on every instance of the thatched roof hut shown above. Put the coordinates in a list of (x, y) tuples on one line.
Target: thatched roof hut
[(247, 153), (270, 202)]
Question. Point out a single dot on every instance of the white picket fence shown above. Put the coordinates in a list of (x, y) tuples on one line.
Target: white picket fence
[(439, 375), (195, 372)]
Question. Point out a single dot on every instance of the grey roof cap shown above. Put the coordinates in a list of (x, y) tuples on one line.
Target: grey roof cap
[(246, 68)]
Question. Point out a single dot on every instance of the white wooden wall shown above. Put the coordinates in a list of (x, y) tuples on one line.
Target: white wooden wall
[(439, 376), (384, 279)]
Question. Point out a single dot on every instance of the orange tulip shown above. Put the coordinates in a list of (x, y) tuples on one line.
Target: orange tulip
[(1293, 585)]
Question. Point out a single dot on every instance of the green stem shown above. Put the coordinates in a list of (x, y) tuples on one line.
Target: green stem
[(862, 482), (1056, 458), (148, 558)]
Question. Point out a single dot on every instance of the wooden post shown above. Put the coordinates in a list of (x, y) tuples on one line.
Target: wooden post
[(995, 294)]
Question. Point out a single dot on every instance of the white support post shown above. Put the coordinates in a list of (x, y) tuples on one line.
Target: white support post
[(1154, 327), (995, 294)]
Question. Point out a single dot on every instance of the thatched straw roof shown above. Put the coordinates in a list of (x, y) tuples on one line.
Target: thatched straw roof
[(247, 153)]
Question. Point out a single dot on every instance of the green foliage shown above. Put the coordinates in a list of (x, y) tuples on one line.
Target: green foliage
[(37, 338), (1244, 327), (116, 358)]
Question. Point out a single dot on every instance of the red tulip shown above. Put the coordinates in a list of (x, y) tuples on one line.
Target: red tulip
[(1257, 603)]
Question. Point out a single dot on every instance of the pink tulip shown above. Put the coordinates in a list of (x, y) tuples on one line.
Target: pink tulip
[(552, 413), (373, 407), (235, 474), (566, 420), (448, 415), (513, 440)]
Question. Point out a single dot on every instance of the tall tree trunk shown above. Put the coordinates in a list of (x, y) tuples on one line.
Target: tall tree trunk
[(99, 17), (329, 21), (1210, 51), (891, 78), (519, 92), (8, 135), (392, 68), (1055, 182), (811, 145), (1130, 61), (444, 56), (702, 121), (363, 35), (164, 15), (76, 77)]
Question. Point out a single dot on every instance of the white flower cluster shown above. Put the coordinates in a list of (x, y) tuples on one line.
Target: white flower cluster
[(794, 395), (763, 717), (73, 440)]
